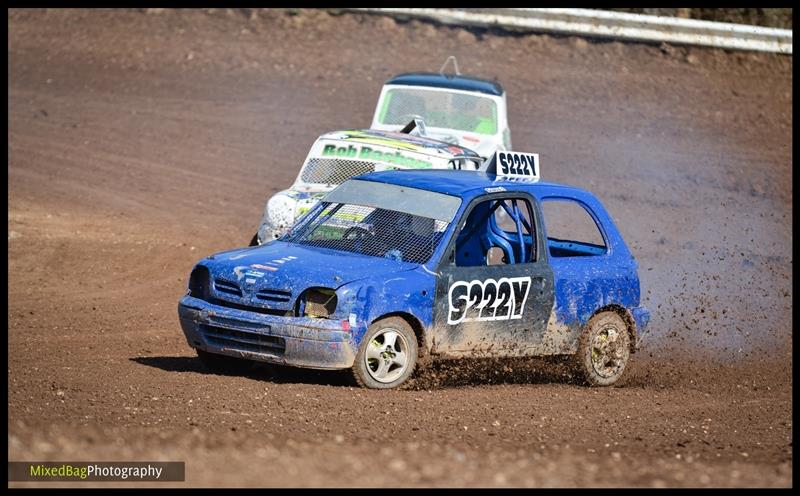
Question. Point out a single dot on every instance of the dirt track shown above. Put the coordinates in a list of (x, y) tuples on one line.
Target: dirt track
[(140, 143)]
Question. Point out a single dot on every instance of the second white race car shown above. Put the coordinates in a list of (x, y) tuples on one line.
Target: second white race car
[(337, 156), (462, 110)]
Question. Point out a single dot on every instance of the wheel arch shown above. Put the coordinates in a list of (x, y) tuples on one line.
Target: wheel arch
[(416, 326)]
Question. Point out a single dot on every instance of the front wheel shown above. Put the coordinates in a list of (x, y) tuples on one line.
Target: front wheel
[(603, 349), (387, 355), (254, 241)]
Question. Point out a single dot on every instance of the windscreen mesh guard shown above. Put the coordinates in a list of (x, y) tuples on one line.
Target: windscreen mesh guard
[(334, 170), (372, 231)]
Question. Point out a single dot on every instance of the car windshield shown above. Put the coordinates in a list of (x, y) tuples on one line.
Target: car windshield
[(461, 111), (373, 231)]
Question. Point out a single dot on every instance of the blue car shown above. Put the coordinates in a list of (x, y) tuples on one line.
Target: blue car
[(393, 267)]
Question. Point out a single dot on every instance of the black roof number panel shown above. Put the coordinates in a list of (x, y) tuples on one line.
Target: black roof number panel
[(465, 83)]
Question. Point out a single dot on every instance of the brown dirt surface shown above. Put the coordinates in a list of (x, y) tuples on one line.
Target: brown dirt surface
[(139, 143)]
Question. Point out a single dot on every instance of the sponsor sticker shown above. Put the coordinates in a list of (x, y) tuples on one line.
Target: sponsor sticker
[(264, 267), (455, 150), (251, 270), (372, 153), (282, 260)]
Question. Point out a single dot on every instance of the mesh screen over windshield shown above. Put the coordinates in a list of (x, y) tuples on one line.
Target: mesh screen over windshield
[(334, 170), (371, 231), (440, 109)]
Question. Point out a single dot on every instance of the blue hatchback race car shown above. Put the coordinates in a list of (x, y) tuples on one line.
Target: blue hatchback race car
[(391, 267)]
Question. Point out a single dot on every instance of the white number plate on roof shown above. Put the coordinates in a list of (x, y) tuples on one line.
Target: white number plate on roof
[(517, 164)]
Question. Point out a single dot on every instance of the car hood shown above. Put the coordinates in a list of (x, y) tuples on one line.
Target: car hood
[(484, 145), (303, 191), (289, 267)]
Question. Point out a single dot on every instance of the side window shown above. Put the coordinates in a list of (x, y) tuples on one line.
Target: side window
[(497, 232), (571, 230)]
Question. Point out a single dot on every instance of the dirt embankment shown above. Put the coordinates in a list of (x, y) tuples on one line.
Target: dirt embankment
[(773, 18)]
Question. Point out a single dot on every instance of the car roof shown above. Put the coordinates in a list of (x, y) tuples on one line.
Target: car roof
[(466, 83), (469, 184), (367, 136)]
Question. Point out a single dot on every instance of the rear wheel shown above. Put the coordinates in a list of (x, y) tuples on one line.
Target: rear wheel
[(223, 364), (603, 350), (387, 355)]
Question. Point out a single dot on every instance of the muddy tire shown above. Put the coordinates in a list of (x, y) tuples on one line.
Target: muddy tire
[(254, 241), (224, 365), (603, 350), (387, 355)]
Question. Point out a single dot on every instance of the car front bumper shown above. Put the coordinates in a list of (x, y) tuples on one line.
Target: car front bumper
[(297, 341)]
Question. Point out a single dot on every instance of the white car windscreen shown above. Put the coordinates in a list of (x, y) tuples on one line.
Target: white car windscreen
[(440, 109)]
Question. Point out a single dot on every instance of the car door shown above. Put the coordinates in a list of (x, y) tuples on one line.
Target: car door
[(494, 290)]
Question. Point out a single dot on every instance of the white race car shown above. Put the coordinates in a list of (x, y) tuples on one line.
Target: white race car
[(458, 109), (337, 156)]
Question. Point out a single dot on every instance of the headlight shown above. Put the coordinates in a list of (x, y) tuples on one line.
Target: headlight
[(317, 302), (278, 216), (198, 283), (280, 207)]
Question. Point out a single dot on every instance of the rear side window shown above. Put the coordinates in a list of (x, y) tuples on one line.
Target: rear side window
[(571, 230)]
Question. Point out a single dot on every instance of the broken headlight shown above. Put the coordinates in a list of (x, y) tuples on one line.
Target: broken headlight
[(198, 282), (317, 302)]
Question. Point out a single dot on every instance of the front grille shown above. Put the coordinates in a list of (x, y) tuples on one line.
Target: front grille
[(274, 295), (244, 340), (250, 308), (228, 287)]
